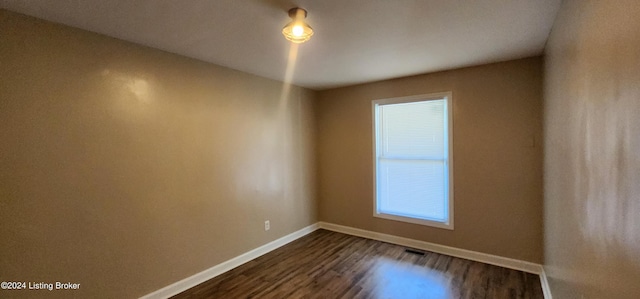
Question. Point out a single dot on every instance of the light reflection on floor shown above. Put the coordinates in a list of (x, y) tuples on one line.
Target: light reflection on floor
[(395, 279)]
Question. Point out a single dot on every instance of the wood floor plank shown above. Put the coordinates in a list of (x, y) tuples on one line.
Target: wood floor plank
[(327, 264)]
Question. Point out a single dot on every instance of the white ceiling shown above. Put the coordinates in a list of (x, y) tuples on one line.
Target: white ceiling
[(355, 41)]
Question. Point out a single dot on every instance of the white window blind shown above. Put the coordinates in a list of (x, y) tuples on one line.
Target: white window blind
[(412, 159)]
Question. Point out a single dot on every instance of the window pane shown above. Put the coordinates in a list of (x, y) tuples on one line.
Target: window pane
[(412, 188), (413, 130)]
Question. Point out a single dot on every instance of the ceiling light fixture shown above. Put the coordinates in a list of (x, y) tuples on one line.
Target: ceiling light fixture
[(297, 30)]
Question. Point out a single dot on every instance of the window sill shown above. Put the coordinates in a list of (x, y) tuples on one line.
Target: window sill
[(424, 222)]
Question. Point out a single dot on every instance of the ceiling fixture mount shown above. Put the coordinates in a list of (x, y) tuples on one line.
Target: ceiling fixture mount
[(297, 30)]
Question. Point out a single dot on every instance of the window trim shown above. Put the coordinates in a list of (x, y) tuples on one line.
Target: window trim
[(448, 96)]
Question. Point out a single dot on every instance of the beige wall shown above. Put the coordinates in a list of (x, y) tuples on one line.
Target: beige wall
[(497, 157), (126, 169), (592, 150)]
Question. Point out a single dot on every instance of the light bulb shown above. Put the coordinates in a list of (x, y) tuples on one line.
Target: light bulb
[(297, 30)]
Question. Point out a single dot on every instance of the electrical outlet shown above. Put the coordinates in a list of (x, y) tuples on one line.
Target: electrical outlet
[(267, 225)]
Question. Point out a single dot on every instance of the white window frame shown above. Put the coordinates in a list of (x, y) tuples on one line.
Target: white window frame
[(417, 98)]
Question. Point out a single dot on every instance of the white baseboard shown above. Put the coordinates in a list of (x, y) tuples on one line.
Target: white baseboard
[(452, 251), (223, 267), (546, 290)]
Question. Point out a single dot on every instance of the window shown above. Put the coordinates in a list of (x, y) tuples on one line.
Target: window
[(413, 159)]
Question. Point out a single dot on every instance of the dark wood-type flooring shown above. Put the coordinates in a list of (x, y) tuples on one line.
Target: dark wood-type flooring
[(327, 264)]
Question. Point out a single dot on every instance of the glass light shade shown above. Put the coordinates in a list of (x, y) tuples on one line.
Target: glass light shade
[(297, 31)]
